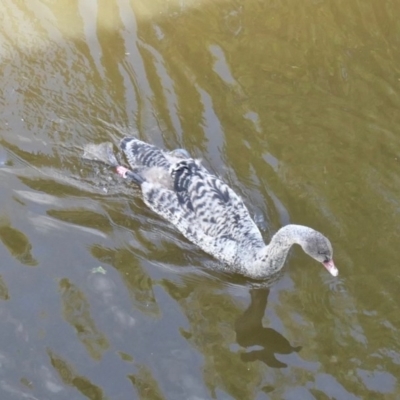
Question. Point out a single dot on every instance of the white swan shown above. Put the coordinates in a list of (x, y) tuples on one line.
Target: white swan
[(211, 215)]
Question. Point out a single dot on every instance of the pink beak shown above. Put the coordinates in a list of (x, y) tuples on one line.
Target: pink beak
[(330, 266)]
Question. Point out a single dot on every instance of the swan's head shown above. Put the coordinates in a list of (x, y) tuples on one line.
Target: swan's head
[(319, 247)]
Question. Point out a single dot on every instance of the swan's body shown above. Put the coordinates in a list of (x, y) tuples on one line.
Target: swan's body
[(211, 215)]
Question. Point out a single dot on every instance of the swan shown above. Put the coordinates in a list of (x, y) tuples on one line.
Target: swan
[(211, 215)]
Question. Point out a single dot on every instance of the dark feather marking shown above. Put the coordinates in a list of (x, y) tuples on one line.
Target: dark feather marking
[(184, 200), (150, 196), (199, 185), (189, 205), (221, 194)]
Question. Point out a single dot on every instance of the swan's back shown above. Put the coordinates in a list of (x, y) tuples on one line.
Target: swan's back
[(218, 210)]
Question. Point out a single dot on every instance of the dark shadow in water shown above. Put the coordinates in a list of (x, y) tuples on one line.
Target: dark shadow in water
[(17, 243), (250, 332)]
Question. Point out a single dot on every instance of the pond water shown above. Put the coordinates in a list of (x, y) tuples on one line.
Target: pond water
[(294, 104)]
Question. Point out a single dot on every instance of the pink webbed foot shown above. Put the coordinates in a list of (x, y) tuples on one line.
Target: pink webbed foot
[(122, 171)]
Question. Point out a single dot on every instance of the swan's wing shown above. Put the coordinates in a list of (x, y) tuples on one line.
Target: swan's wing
[(139, 153), (219, 211), (175, 209)]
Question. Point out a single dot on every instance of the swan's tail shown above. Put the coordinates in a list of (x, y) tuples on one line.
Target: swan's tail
[(140, 153)]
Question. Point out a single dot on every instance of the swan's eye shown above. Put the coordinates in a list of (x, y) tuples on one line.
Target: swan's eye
[(326, 257)]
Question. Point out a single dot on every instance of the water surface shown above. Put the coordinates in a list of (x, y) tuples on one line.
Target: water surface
[(294, 104)]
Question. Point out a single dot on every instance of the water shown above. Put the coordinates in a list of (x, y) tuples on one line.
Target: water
[(294, 105)]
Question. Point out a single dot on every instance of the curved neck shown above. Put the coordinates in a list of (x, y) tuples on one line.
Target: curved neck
[(271, 258)]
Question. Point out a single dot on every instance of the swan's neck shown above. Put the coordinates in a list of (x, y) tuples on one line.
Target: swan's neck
[(271, 258)]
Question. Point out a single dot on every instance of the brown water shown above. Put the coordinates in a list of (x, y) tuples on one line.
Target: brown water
[(294, 104)]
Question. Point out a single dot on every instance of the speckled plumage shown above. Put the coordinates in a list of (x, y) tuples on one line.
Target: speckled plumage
[(206, 210)]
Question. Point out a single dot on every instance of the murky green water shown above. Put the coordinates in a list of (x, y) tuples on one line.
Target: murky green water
[(295, 104)]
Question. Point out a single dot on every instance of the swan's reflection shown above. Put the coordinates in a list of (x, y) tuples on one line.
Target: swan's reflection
[(250, 332)]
